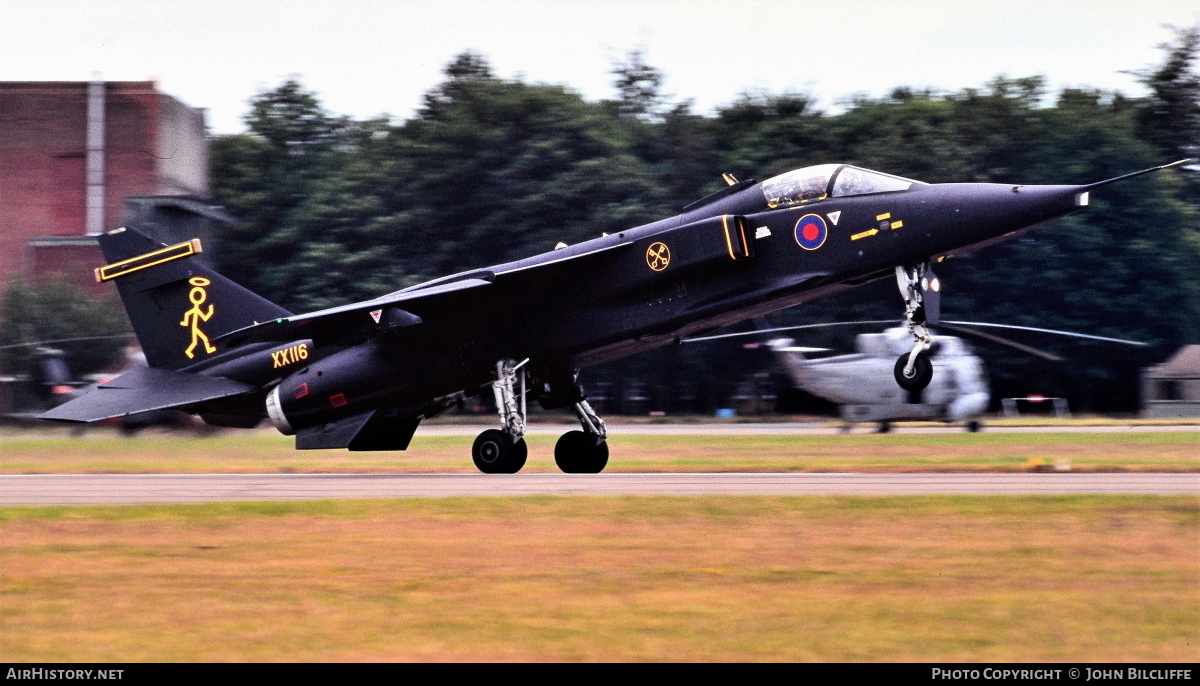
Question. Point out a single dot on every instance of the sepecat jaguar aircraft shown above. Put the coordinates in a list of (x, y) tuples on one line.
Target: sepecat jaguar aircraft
[(362, 376)]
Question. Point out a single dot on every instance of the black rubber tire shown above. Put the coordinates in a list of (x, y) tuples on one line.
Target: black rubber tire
[(495, 452), (578, 452), (922, 373)]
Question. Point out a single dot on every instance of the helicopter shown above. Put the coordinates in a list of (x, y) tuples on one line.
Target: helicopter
[(858, 383), (363, 376), (47, 383)]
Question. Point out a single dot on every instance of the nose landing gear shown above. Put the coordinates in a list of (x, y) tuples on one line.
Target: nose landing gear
[(921, 291), (913, 375)]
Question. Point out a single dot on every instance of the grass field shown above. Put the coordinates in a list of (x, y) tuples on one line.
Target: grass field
[(1093, 579), (261, 452), (701, 578)]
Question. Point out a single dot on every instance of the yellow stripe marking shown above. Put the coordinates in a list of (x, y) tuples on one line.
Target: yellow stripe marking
[(897, 224), (728, 240), (881, 217), (150, 259)]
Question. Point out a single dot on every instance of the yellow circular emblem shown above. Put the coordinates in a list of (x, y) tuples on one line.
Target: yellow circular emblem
[(658, 256)]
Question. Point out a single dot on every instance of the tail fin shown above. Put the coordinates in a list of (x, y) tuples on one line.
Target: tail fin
[(177, 306)]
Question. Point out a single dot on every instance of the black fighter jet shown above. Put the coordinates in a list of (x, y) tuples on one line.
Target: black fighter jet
[(363, 376)]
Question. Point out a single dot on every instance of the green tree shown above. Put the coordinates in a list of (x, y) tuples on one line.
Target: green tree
[(1170, 115), (493, 169), (267, 176), (497, 169), (639, 87)]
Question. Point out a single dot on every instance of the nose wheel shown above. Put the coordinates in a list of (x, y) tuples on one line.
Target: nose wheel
[(918, 377)]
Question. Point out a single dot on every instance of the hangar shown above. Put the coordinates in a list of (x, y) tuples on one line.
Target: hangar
[(1172, 389), (71, 153)]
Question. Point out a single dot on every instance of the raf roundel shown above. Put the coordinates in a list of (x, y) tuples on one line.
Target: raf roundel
[(811, 231)]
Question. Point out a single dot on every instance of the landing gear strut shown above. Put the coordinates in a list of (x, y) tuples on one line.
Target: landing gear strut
[(920, 289), (503, 451)]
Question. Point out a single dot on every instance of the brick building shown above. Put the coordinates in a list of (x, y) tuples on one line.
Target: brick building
[(71, 153)]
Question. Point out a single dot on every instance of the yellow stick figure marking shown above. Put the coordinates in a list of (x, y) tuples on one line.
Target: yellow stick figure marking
[(194, 316)]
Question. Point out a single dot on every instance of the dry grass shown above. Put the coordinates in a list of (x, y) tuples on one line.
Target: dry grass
[(680, 579), (262, 452)]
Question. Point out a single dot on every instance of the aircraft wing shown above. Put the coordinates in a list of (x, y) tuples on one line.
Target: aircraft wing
[(358, 321), (348, 323), (142, 390)]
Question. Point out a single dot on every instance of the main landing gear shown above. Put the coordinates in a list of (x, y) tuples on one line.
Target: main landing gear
[(504, 451), (583, 452), (921, 290)]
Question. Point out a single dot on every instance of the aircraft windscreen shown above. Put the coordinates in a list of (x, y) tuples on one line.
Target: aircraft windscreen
[(855, 181), (799, 186), (813, 183)]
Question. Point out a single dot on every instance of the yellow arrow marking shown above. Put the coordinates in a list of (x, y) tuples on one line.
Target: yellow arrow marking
[(865, 234)]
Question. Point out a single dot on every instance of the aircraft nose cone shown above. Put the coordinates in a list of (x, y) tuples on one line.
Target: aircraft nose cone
[(1033, 205), (983, 213)]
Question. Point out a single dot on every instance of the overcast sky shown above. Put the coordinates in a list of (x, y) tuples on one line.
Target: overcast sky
[(367, 57)]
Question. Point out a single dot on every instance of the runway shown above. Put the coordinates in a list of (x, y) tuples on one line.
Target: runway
[(819, 428), (128, 489)]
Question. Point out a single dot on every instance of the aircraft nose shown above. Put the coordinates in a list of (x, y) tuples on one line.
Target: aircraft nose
[(1033, 205), (1063, 197), (993, 211)]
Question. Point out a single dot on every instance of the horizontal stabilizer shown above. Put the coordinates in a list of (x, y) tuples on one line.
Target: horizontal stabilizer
[(143, 390)]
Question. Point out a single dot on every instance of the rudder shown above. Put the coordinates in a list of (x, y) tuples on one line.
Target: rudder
[(176, 304)]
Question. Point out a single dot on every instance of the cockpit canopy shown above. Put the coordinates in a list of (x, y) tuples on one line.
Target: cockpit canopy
[(821, 181)]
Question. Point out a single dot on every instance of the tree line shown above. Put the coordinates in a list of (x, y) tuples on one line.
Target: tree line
[(491, 169)]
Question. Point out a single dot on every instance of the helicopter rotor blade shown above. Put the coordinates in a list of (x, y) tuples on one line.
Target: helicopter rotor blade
[(737, 334), (1003, 341), (1057, 332), (35, 344)]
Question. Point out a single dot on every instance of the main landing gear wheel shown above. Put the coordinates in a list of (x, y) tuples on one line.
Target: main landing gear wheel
[(580, 452), (922, 373), (498, 452)]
